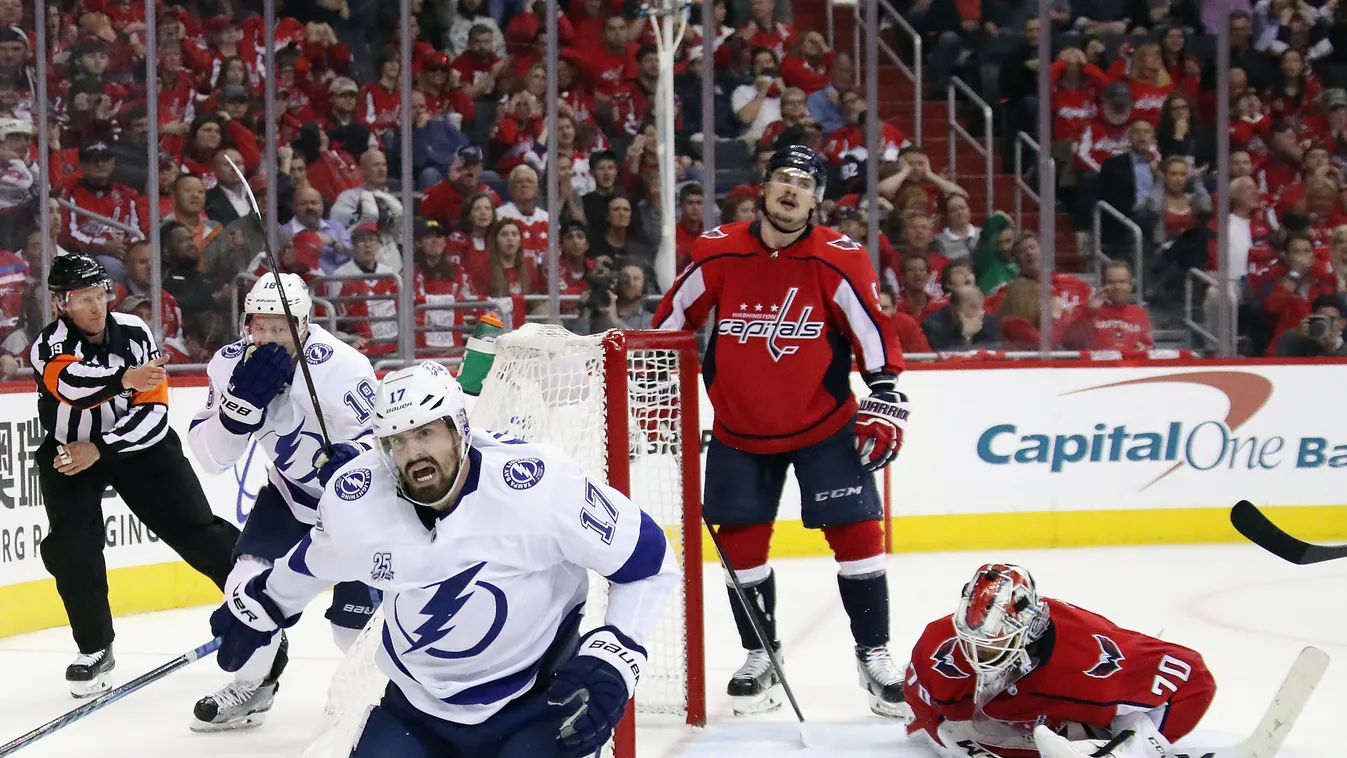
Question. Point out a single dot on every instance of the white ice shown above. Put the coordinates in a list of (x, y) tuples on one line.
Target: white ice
[(1248, 613)]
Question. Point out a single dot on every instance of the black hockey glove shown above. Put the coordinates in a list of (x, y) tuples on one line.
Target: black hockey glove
[(256, 381), (590, 691)]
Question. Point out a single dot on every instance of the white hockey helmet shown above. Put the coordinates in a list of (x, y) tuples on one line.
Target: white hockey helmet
[(999, 614), (416, 396), (263, 299)]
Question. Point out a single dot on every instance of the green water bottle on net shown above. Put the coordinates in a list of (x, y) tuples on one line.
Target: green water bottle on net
[(480, 354)]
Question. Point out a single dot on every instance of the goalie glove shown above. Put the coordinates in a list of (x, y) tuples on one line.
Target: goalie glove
[(880, 421), (255, 382)]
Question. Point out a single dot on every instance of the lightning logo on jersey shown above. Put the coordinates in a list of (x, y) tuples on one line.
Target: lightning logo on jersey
[(439, 612)]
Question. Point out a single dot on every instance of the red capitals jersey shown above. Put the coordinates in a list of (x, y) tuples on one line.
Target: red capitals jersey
[(1075, 109), (443, 202), (1099, 142), (852, 136), (1275, 175), (788, 323), (378, 108), (1074, 294), (439, 291), (532, 229), (81, 233), (1116, 327), (1087, 671), (1147, 100), (570, 283)]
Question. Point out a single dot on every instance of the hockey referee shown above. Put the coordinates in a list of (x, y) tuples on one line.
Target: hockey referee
[(103, 401)]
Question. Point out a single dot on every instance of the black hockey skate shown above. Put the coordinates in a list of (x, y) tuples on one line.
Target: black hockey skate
[(884, 681), (755, 687), (241, 705), (88, 675)]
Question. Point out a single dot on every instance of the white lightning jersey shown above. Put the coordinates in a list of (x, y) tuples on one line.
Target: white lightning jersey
[(290, 435), (476, 594)]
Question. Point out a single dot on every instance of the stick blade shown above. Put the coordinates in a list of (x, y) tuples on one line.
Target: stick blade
[(1258, 529), (1286, 706)]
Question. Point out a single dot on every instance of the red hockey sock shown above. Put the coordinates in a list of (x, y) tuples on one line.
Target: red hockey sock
[(746, 545), (855, 542)]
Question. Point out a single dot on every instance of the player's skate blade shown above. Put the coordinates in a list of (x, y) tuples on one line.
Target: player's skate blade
[(241, 705), (88, 674), (883, 682), (755, 687)]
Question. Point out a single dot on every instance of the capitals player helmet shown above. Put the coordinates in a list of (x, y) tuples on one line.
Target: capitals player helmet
[(999, 614), (415, 396), (804, 160), (265, 299), (73, 272)]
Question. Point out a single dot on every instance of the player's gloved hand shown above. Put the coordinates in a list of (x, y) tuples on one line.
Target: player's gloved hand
[(246, 621), (591, 690), (1134, 736), (327, 465), (879, 424), (256, 380)]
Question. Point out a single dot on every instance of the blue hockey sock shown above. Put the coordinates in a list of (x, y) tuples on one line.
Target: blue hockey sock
[(866, 600)]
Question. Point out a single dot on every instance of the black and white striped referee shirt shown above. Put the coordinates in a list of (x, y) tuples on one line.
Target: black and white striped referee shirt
[(79, 385)]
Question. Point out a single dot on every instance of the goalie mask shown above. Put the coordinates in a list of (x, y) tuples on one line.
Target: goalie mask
[(999, 614), (409, 405)]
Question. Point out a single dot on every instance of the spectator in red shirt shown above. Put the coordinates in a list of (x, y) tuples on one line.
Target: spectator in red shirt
[(467, 245), (523, 207), (510, 270), (1294, 88), (1289, 301), (807, 68), (380, 103), (610, 63), (910, 336), (519, 132), (1319, 335), (479, 68), (1282, 167), (690, 226), (445, 96), (1076, 86), (329, 169), (1184, 70), (793, 113), (850, 139), (95, 192), (443, 201), (442, 283), (763, 30), (914, 299), (914, 171), (1112, 321), (1145, 75)]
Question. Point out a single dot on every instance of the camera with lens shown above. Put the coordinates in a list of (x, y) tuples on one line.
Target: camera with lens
[(602, 290), (1318, 326)]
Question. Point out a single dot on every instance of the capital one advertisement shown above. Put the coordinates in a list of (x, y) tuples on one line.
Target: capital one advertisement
[(1180, 436)]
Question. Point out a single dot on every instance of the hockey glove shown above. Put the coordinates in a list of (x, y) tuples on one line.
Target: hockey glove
[(256, 381), (342, 453), (246, 622), (591, 690), (880, 422)]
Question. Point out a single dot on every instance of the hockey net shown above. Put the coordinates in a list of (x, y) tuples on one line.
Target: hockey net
[(625, 405)]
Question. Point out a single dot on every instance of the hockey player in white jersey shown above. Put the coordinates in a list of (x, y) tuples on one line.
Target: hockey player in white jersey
[(252, 398), (481, 545)]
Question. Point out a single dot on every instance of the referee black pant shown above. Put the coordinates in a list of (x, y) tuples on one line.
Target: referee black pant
[(161, 489)]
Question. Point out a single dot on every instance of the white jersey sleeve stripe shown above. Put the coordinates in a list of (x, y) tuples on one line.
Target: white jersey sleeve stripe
[(689, 290), (867, 332)]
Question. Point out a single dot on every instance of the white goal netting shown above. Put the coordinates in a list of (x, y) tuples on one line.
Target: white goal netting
[(548, 385)]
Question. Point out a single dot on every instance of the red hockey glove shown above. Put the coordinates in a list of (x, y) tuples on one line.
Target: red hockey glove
[(880, 423)]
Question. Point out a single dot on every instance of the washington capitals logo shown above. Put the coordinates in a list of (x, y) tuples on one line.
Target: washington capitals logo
[(944, 660), (774, 325), (441, 611), (1110, 658)]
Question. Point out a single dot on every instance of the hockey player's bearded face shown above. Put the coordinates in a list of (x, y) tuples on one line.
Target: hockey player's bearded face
[(267, 328), (788, 197), (427, 460)]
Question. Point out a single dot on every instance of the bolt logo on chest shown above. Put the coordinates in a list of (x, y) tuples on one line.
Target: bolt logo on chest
[(772, 323)]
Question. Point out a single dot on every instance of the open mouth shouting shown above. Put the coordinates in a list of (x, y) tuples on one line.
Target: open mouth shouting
[(423, 473)]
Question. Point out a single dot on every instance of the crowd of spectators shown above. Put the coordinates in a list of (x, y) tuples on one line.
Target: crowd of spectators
[(1134, 94)]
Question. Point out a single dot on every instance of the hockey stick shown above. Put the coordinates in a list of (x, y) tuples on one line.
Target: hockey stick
[(758, 630), (1259, 529), (285, 305), (109, 697), (1272, 730)]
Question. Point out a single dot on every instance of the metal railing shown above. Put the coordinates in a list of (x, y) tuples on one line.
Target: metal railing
[(913, 72), (1098, 259), (984, 148), (135, 233), (1189, 289), (1022, 187)]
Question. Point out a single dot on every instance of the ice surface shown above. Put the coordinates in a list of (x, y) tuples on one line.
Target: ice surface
[(1248, 613)]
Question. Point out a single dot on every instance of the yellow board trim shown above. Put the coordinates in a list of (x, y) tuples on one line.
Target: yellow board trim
[(138, 589), (35, 605)]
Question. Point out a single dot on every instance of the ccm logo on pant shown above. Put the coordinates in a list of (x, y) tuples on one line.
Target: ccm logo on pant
[(844, 492)]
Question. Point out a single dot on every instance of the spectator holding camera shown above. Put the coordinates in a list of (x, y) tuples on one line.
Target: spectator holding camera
[(1293, 294), (1318, 335), (616, 299)]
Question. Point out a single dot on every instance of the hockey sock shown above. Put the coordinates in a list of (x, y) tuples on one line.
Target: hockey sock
[(762, 597), (866, 600)]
